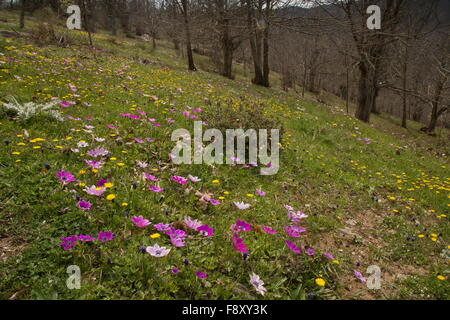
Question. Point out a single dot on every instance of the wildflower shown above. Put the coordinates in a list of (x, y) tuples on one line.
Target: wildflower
[(206, 230), (150, 177), (85, 238), (201, 275), (179, 180), (176, 237), (142, 165), (94, 164), (175, 271), (98, 152), (105, 236), (69, 242), (156, 189), (320, 282), (157, 251), (194, 179), (140, 222), (269, 230), (296, 217), (214, 202), (294, 231), (241, 226), (359, 276), (84, 205), (292, 246), (65, 177), (238, 244), (155, 236), (261, 193), (82, 144), (258, 284), (95, 191), (111, 197), (162, 227), (192, 224), (442, 278), (310, 251), (329, 256), (242, 205)]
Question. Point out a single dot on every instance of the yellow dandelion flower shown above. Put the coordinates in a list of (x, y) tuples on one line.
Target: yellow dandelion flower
[(111, 197), (320, 282), (155, 236)]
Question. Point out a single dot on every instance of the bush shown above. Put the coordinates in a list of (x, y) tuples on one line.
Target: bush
[(16, 111), (241, 114), (47, 33)]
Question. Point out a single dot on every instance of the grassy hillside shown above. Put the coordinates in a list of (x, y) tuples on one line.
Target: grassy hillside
[(374, 194)]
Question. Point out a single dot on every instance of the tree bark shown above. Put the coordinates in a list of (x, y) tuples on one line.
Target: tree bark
[(190, 55), (366, 93), (22, 14)]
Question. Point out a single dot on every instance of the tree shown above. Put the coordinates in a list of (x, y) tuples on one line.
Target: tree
[(22, 13), (370, 45), (183, 6)]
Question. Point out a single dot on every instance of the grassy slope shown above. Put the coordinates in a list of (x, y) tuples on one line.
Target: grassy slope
[(338, 180)]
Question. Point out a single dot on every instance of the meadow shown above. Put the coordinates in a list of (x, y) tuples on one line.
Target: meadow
[(93, 185)]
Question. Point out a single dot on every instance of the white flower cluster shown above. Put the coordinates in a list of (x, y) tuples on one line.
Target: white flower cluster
[(30, 109)]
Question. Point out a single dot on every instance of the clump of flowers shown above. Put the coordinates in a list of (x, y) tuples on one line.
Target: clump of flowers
[(70, 242)]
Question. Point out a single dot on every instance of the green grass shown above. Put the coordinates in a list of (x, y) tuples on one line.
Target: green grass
[(327, 171)]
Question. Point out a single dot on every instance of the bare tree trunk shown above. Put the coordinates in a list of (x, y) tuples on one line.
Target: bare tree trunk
[(190, 55), (435, 112), (404, 98), (86, 22), (366, 93), (22, 14)]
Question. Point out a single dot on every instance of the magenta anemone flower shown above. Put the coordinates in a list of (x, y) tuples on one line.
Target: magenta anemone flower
[(84, 205), (294, 231), (261, 193), (310, 251), (105, 236), (269, 230), (206, 231), (69, 242), (291, 245), (239, 244), (359, 276), (329, 256), (200, 274), (242, 226), (175, 270), (86, 238), (162, 227), (214, 202), (180, 180), (65, 177), (140, 222), (150, 177), (176, 237), (155, 189)]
